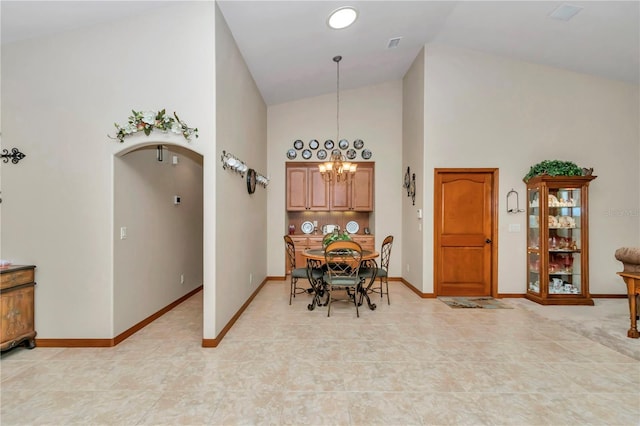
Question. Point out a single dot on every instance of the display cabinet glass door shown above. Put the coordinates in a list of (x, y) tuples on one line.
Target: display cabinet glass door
[(564, 241), (533, 241)]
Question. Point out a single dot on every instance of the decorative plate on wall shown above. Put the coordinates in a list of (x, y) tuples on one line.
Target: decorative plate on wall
[(351, 154), (298, 144), (343, 144), (328, 144), (306, 154), (291, 154), (358, 144), (313, 144), (366, 154), (322, 154), (307, 227), (336, 152)]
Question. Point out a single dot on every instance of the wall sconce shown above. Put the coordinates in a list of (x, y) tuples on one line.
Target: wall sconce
[(410, 185), (412, 189), (233, 163), (510, 195), (407, 182), (15, 155)]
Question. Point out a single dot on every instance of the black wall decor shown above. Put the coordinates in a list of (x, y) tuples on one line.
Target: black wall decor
[(407, 181), (412, 189), (15, 155)]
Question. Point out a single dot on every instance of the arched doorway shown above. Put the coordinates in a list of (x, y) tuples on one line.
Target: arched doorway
[(158, 230)]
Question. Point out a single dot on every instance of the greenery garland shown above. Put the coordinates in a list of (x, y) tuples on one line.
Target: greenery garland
[(553, 168), (146, 121)]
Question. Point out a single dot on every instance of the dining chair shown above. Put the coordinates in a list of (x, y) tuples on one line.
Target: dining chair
[(297, 273), (381, 272), (342, 263)]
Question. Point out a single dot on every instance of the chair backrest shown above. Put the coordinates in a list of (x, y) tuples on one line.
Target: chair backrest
[(291, 251), (385, 252), (343, 260)]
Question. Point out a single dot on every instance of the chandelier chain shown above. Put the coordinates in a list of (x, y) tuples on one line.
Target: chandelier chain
[(337, 60)]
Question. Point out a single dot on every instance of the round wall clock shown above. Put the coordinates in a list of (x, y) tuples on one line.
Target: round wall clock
[(251, 181)]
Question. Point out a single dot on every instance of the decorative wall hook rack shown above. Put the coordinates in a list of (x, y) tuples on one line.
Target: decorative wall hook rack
[(233, 163), (15, 155), (510, 195)]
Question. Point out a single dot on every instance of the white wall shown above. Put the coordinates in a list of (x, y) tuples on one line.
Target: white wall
[(413, 230), (487, 111), (241, 221), (164, 240), (373, 114), (60, 98)]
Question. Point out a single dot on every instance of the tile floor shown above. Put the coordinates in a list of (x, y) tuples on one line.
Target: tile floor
[(416, 362)]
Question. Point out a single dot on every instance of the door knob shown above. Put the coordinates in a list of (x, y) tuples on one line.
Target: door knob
[(488, 240)]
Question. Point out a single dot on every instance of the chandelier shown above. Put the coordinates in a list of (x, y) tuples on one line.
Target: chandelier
[(337, 169)]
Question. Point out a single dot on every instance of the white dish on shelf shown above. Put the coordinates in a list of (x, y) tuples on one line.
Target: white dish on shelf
[(352, 227), (307, 227)]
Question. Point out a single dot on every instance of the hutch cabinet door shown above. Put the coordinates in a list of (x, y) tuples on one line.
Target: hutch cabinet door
[(296, 188), (362, 189), (356, 194), (318, 191), (306, 190), (340, 196)]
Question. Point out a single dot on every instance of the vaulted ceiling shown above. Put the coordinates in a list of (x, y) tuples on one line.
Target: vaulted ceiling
[(288, 46)]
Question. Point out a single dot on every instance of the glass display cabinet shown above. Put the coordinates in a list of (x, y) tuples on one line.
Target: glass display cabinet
[(558, 240)]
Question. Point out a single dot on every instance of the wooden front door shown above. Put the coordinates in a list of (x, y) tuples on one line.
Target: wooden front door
[(465, 232)]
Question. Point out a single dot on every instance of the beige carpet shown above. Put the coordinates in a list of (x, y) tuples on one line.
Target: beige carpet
[(607, 322)]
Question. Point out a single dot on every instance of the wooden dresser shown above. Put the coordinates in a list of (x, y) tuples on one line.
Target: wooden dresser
[(17, 287)]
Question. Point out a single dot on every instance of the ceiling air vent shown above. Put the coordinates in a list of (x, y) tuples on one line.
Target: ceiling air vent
[(394, 42), (564, 12)]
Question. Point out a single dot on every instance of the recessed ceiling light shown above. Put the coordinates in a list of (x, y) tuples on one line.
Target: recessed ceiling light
[(342, 17), (564, 12)]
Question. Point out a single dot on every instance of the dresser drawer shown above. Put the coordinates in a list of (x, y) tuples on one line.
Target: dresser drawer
[(16, 277)]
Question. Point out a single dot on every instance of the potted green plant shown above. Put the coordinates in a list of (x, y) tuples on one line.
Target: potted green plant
[(335, 236), (556, 168)]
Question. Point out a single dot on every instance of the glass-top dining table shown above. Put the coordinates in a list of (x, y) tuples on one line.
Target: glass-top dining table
[(315, 261)]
